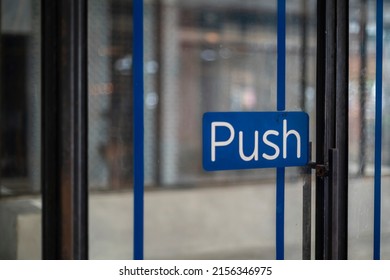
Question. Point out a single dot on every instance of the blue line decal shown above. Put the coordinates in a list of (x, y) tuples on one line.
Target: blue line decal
[(281, 56), (281, 105), (378, 130), (138, 99)]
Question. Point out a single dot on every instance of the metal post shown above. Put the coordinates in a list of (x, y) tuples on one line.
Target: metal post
[(64, 129), (320, 126), (340, 208), (306, 210), (325, 55), (333, 180), (332, 128), (1, 95)]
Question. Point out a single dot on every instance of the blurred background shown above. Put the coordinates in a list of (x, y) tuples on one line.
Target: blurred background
[(200, 56)]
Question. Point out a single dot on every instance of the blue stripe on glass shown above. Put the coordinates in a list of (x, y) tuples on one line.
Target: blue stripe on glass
[(138, 99), (280, 213), (378, 130), (281, 56), (281, 105)]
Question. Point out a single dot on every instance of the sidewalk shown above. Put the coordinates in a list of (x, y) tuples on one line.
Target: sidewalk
[(224, 222)]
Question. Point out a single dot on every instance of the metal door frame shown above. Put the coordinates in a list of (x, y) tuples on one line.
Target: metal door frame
[(64, 130), (331, 228)]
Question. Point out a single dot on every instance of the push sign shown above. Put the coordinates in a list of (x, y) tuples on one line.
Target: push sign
[(246, 140)]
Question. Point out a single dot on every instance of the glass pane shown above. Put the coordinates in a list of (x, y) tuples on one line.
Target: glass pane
[(300, 96), (361, 128), (20, 128), (385, 248), (217, 56), (110, 128)]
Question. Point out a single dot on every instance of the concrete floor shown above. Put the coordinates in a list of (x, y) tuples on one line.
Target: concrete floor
[(224, 222)]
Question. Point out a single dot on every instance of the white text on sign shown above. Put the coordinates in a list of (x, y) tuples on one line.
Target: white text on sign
[(245, 140), (255, 153)]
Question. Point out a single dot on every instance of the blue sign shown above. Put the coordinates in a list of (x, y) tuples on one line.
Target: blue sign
[(246, 140)]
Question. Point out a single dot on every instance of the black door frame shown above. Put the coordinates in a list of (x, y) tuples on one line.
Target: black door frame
[(331, 229), (64, 130)]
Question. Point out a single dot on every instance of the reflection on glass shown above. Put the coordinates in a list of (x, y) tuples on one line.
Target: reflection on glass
[(199, 56), (110, 128), (215, 56), (362, 127), (20, 147)]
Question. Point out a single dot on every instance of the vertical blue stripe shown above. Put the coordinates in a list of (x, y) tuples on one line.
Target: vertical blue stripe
[(280, 213), (281, 56), (281, 105), (378, 130), (138, 100)]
